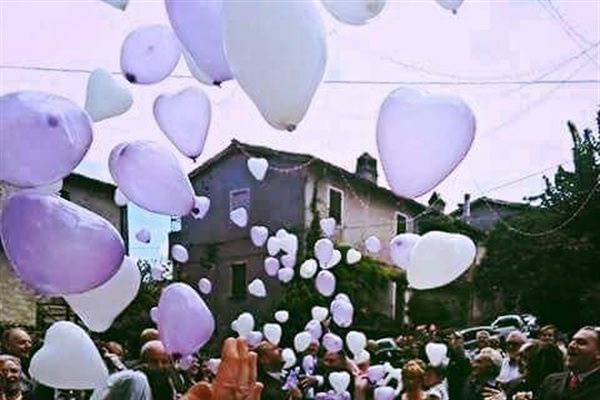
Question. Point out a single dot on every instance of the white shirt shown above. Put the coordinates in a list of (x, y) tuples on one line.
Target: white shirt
[(439, 391), (508, 371)]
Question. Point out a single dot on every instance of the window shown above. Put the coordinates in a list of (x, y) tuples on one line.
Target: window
[(336, 198), (239, 198), (238, 280), (404, 224)]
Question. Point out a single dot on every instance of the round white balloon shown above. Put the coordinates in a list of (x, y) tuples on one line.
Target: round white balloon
[(354, 12), (451, 5), (205, 286), (179, 253), (282, 316), (401, 247), (308, 269), (257, 288), (105, 96)]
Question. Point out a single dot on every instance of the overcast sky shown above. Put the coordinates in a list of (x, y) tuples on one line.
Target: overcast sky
[(520, 128)]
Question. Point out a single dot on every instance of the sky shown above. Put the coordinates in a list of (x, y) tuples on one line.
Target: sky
[(521, 127)]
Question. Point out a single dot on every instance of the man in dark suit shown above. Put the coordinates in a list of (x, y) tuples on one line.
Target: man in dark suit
[(582, 381)]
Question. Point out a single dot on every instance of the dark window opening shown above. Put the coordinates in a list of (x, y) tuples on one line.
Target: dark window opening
[(335, 205), (238, 280)]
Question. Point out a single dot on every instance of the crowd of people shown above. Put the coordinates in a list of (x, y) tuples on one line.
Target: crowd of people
[(516, 367)]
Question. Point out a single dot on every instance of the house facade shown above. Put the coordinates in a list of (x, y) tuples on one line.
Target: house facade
[(297, 189)]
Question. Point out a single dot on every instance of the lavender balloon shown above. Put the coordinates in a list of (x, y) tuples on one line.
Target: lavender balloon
[(314, 328), (342, 312), (384, 393), (43, 137), (58, 247), (325, 283), (150, 176), (199, 27), (332, 343), (184, 321)]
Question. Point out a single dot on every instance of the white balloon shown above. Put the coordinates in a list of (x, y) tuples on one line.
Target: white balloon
[(254, 338), (354, 12), (451, 5), (282, 316), (288, 260), (335, 260), (273, 245), (342, 312), (285, 275), (314, 328), (201, 206), (143, 236), (308, 269), (277, 53), (99, 307), (373, 244), (196, 71), (342, 297), (327, 226), (119, 198), (353, 256), (244, 324), (438, 258), (401, 247), (259, 235), (120, 4), (384, 393), (319, 313), (205, 286), (272, 333), (436, 353), (302, 341), (356, 342), (149, 54), (421, 139), (154, 314), (184, 118), (332, 342), (105, 97), (289, 244), (281, 233), (339, 381), (179, 253), (362, 357), (258, 167), (257, 288), (271, 266), (239, 216), (323, 251), (157, 272), (68, 359), (289, 358), (325, 283)]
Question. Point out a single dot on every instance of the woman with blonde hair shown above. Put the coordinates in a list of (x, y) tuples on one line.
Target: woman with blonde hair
[(413, 380)]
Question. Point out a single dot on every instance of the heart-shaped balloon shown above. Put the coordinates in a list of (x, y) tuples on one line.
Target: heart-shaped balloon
[(439, 258), (335, 259), (356, 342), (54, 231), (373, 244), (119, 4), (244, 324), (272, 333), (356, 12), (285, 275), (301, 341), (184, 118), (362, 357), (375, 373), (339, 381), (150, 176), (105, 97), (239, 216), (254, 338), (271, 266), (288, 260), (259, 235), (451, 5), (258, 167), (384, 393), (201, 206), (205, 286), (67, 345), (119, 198), (342, 297), (282, 316), (143, 236), (289, 244), (273, 245), (179, 253), (277, 52), (353, 256), (401, 247), (99, 307), (327, 226), (149, 54), (436, 353), (332, 342), (325, 283), (421, 139), (44, 137), (308, 269), (257, 288), (314, 328), (199, 27), (319, 313), (289, 358), (342, 312), (185, 323), (323, 251)]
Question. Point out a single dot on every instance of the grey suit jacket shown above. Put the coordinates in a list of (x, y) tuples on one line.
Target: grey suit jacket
[(555, 387)]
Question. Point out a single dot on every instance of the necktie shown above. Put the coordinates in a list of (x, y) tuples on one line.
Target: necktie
[(573, 382)]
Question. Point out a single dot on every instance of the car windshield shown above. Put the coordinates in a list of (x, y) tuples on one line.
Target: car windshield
[(506, 322)]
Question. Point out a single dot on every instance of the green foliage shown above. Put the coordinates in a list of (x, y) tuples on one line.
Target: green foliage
[(554, 275)]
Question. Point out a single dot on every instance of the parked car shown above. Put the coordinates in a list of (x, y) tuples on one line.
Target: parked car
[(469, 334), (387, 351), (525, 323)]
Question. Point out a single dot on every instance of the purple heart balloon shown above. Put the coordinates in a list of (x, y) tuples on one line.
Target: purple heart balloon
[(384, 393), (185, 322), (314, 328), (43, 137), (150, 176), (332, 343), (58, 247)]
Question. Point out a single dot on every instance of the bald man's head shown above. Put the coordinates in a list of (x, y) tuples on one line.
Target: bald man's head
[(149, 334), (155, 356)]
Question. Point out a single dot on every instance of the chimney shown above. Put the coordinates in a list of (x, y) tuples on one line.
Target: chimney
[(466, 208), (366, 167)]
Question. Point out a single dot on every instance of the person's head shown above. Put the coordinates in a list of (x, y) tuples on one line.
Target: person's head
[(269, 356), (10, 375), (17, 342), (433, 375), (456, 341), (525, 354), (482, 338), (335, 360), (543, 360), (313, 348), (486, 365), (372, 345), (130, 385), (413, 375), (494, 342), (514, 341), (548, 334), (114, 348), (155, 356), (363, 361), (583, 353), (149, 334)]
